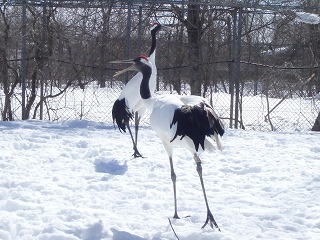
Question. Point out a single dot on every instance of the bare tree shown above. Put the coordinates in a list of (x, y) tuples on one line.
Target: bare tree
[(9, 77)]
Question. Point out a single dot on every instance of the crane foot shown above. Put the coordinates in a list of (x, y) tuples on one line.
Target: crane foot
[(176, 216), (136, 154), (211, 221)]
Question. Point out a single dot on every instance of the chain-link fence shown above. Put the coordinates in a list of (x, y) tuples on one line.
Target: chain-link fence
[(257, 111), (258, 68)]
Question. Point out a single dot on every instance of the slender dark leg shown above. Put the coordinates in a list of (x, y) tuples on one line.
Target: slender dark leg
[(136, 152), (210, 218), (174, 178), (136, 126)]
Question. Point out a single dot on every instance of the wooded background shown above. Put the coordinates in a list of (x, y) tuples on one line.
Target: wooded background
[(240, 48)]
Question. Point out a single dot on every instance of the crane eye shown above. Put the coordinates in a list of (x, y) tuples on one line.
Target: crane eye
[(143, 57)]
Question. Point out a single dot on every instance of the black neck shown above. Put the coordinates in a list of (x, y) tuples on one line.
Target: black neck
[(153, 41), (144, 87)]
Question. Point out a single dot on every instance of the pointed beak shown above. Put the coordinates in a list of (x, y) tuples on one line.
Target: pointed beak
[(131, 68), (123, 61)]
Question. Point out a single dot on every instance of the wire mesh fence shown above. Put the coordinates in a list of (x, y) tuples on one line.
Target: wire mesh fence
[(257, 112), (259, 68)]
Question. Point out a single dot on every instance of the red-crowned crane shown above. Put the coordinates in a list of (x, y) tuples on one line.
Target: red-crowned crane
[(129, 102), (179, 124)]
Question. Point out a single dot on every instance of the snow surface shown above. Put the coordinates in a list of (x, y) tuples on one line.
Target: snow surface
[(77, 180)]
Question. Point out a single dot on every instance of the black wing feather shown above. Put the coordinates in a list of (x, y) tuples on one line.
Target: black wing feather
[(121, 114), (196, 122)]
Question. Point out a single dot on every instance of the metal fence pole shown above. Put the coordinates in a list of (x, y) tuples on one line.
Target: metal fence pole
[(140, 29), (237, 69), (234, 87), (44, 52), (128, 35), (233, 68), (23, 58)]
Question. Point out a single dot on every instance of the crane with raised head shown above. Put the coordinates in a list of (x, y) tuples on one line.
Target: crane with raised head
[(183, 121), (128, 104)]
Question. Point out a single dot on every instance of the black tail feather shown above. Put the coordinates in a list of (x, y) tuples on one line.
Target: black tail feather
[(214, 120), (121, 114)]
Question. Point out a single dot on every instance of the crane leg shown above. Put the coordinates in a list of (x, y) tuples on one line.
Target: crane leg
[(136, 152), (174, 178), (136, 127), (210, 218)]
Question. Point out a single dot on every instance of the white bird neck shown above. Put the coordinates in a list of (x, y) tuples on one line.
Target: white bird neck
[(152, 57)]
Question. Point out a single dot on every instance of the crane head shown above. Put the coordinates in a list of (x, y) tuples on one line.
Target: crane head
[(135, 63), (157, 27)]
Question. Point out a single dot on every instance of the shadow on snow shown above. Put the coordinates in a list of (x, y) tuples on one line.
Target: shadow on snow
[(122, 235), (112, 167)]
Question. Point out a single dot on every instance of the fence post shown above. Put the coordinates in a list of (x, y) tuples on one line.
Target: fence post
[(140, 29), (128, 35), (23, 58), (234, 84), (237, 68), (44, 52)]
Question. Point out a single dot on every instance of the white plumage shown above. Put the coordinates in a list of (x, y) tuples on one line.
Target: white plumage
[(184, 121), (129, 101)]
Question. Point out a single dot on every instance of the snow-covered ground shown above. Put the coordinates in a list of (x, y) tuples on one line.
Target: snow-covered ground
[(77, 180)]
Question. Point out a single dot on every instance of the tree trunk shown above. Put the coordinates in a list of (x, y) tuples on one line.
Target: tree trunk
[(316, 125), (4, 75), (194, 28)]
